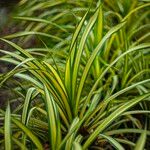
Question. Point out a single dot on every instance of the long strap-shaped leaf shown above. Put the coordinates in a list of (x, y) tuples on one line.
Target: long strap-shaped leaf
[(15, 140), (136, 9), (116, 144), (24, 115), (26, 105), (69, 69), (101, 106), (7, 127), (13, 71), (28, 132), (136, 48), (141, 141), (92, 58), (129, 130), (79, 54), (112, 117), (37, 71), (25, 33), (41, 21), (59, 88), (53, 120)]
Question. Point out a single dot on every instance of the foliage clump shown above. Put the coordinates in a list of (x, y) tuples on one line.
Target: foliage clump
[(80, 77)]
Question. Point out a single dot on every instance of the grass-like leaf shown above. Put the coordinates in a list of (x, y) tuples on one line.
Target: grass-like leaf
[(112, 117), (28, 132), (141, 142), (113, 142), (53, 119), (7, 129)]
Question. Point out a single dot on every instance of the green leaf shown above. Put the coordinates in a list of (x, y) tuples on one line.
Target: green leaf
[(68, 69), (41, 21), (25, 33), (28, 132), (26, 105), (53, 120), (117, 145), (141, 141), (136, 9), (76, 146), (7, 129), (78, 58), (90, 61), (13, 71), (70, 135), (15, 140), (136, 48), (112, 117), (128, 130), (29, 78)]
